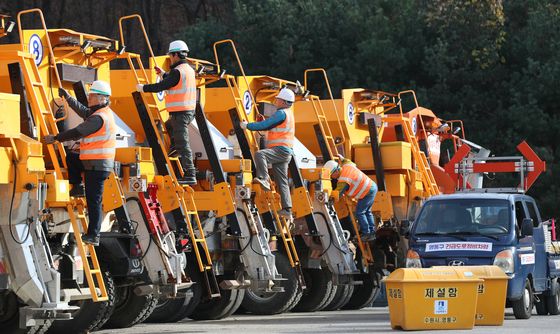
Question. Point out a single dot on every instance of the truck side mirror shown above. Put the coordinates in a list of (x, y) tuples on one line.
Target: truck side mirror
[(404, 229), (526, 227)]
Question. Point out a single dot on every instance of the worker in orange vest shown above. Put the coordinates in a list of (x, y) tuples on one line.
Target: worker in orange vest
[(96, 156), (357, 185), (180, 102), (280, 135)]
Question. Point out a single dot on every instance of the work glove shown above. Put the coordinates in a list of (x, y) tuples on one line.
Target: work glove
[(49, 139), (63, 93), (243, 125), (335, 195), (140, 88), (159, 70)]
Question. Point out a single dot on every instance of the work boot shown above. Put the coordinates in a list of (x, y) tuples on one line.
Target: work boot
[(189, 177), (78, 190), (264, 183), (286, 213), (91, 240)]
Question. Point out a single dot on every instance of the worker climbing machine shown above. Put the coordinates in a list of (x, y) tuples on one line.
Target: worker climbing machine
[(230, 230)]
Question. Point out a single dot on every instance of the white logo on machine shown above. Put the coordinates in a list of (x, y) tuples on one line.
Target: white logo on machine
[(350, 113), (459, 246), (456, 263), (414, 125), (36, 48), (161, 94), (247, 102)]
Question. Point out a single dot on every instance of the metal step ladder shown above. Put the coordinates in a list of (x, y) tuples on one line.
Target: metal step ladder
[(428, 179), (79, 225), (283, 228), (365, 249), (37, 96)]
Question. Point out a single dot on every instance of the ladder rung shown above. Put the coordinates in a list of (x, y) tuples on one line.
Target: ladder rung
[(95, 271), (199, 240)]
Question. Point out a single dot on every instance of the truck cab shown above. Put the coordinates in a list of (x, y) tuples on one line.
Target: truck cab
[(502, 229)]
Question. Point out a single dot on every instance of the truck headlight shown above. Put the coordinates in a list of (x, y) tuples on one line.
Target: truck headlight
[(413, 259), (504, 260)]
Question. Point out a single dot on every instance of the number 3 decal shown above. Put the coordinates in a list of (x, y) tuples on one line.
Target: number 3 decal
[(36, 48)]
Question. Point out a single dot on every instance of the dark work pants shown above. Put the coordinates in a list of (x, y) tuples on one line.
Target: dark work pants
[(94, 183), (178, 127)]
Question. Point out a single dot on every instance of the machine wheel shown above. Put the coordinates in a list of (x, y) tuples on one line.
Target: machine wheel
[(342, 296), (170, 309), (267, 303), (523, 307), (219, 308), (363, 295), (553, 300), (130, 309), (9, 317), (91, 316), (318, 290)]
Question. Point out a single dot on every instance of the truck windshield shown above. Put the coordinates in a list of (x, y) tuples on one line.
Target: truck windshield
[(464, 216)]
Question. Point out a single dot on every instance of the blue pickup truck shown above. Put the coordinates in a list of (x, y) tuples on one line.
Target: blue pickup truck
[(502, 229)]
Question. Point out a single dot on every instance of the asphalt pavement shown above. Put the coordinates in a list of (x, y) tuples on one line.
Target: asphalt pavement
[(368, 320)]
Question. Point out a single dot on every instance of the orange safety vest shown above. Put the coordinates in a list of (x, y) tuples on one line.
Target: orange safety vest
[(182, 96), (359, 183), (284, 133), (101, 144)]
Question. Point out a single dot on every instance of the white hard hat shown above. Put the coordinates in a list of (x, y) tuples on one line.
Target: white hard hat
[(178, 46), (100, 87), (286, 95), (331, 166)]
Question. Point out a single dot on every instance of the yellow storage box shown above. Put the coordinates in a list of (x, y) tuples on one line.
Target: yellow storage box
[(9, 117), (395, 155), (432, 298), (492, 294)]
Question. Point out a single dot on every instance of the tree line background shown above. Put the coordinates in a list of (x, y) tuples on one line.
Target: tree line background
[(494, 64)]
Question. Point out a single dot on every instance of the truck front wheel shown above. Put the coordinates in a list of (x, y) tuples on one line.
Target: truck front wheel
[(553, 300), (523, 307)]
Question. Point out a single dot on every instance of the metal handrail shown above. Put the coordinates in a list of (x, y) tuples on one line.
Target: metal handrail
[(229, 41), (327, 83), (121, 31), (49, 46)]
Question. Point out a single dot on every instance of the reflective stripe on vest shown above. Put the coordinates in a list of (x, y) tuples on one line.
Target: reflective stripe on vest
[(101, 144), (182, 96), (283, 134), (359, 183)]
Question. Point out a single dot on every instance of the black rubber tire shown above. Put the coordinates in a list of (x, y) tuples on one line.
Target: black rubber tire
[(553, 299), (540, 305), (9, 320), (130, 309), (363, 295), (275, 302), (219, 308), (318, 289), (523, 308), (91, 316), (170, 309), (343, 294), (330, 297)]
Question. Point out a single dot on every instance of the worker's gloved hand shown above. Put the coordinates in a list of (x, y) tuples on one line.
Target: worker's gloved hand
[(340, 156), (335, 195), (140, 88), (243, 125), (49, 139), (159, 70), (63, 93)]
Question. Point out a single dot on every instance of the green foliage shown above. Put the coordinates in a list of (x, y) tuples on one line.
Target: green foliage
[(493, 63)]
